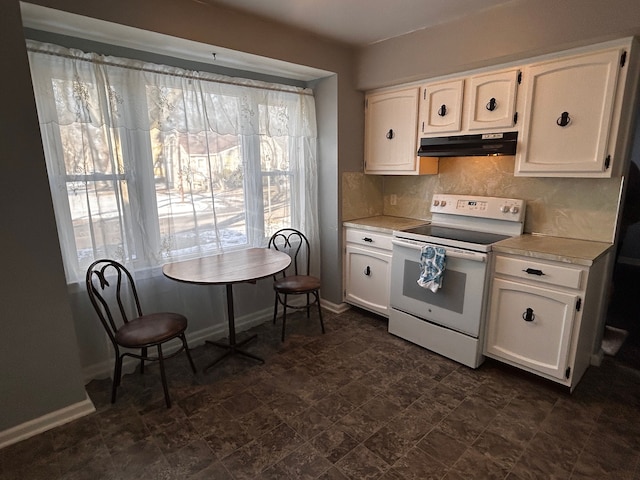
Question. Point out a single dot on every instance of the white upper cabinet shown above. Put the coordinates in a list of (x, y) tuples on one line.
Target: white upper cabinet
[(441, 107), (476, 104), (391, 142), (569, 111), (572, 110), (491, 100)]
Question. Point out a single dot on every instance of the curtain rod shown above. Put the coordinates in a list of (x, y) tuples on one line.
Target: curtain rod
[(183, 75)]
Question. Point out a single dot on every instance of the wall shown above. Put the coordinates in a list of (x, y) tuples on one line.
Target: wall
[(39, 367), (364, 197), (514, 31), (328, 207), (630, 220), (564, 207)]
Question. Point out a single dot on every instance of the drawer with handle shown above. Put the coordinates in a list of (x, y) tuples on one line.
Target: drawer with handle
[(369, 238), (534, 270)]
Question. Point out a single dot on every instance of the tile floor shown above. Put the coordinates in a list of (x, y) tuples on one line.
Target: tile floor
[(355, 403)]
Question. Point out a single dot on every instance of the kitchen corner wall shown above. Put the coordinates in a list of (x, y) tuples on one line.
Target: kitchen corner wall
[(40, 378), (580, 208), (362, 195)]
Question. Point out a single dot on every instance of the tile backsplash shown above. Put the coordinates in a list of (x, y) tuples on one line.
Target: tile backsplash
[(581, 208)]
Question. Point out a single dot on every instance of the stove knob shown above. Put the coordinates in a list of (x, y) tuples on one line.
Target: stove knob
[(443, 203), (436, 203), (515, 209), (504, 208)]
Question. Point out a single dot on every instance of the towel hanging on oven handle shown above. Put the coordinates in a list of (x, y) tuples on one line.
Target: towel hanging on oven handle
[(432, 265)]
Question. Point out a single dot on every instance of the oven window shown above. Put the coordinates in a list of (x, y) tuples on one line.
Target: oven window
[(450, 296)]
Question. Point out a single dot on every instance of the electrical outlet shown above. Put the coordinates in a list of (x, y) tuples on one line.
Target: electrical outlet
[(393, 199)]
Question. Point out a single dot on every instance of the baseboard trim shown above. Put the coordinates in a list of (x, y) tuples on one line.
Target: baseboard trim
[(105, 369), (629, 261), (597, 357), (335, 307), (46, 422)]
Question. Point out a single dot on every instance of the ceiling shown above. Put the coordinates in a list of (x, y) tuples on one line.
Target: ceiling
[(361, 22)]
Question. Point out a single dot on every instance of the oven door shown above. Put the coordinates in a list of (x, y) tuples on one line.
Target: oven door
[(458, 304)]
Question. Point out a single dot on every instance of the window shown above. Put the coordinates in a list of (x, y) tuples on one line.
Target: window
[(149, 163)]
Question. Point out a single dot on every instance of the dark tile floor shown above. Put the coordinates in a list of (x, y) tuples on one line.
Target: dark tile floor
[(355, 403)]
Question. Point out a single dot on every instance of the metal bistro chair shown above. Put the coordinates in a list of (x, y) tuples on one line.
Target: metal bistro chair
[(294, 243), (110, 286)]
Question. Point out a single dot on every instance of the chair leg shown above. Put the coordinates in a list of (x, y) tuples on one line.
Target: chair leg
[(284, 316), (317, 294), (117, 371), (144, 354), (164, 377), (308, 307), (186, 349), (275, 309)]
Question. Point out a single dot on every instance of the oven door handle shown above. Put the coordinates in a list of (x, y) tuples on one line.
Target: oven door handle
[(450, 252)]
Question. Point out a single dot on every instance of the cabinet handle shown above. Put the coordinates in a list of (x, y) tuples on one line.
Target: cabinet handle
[(534, 271), (564, 119), (367, 239), (367, 271), (528, 315), (491, 106), (442, 111), (389, 134)]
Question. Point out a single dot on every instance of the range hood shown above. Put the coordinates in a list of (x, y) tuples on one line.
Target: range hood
[(469, 145)]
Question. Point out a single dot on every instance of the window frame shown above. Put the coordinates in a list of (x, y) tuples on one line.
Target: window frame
[(141, 188)]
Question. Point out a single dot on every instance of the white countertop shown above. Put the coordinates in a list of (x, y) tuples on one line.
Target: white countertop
[(558, 249), (568, 250), (384, 223)]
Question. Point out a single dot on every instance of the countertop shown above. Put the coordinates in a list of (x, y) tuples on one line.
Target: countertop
[(567, 250), (385, 223), (557, 249)]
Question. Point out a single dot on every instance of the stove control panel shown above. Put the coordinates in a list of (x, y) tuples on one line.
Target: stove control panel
[(497, 208)]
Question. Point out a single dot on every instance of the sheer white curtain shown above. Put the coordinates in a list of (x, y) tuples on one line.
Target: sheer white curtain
[(150, 163)]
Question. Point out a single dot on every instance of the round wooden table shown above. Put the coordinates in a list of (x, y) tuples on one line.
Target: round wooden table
[(239, 266)]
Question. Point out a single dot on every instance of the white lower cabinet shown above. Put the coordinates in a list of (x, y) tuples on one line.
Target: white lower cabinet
[(531, 326), (543, 316), (367, 270)]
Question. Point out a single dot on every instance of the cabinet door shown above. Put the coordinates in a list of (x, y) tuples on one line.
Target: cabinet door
[(367, 279), (531, 327), (441, 107), (492, 100), (568, 114), (390, 131)]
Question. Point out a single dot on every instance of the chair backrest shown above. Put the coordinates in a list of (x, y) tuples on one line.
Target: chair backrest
[(113, 294), (295, 244)]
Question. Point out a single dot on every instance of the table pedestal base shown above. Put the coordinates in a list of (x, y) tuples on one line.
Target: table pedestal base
[(238, 266), (232, 349)]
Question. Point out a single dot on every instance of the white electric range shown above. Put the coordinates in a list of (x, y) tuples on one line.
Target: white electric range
[(450, 321)]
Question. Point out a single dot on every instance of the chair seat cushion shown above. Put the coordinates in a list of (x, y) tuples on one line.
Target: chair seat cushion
[(151, 329), (297, 284)]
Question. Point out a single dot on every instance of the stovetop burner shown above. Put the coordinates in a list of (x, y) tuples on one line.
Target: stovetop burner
[(468, 236), (468, 222)]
